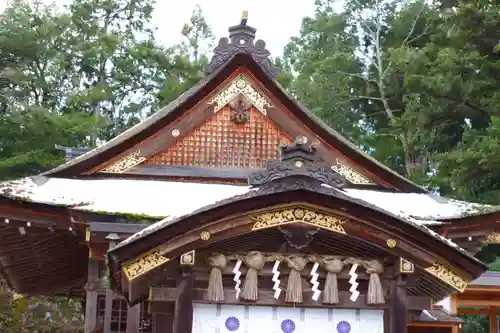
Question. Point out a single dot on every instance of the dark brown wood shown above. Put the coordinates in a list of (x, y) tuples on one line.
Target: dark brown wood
[(163, 295), (493, 319), (398, 308), (41, 261), (163, 139), (35, 213), (191, 172), (183, 319), (163, 323), (365, 225), (374, 226)]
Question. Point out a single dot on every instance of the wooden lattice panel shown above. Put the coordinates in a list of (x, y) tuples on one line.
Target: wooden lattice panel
[(220, 143)]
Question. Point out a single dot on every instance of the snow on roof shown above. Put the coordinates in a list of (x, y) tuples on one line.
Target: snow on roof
[(152, 198), (395, 207), (169, 200), (148, 198), (424, 207)]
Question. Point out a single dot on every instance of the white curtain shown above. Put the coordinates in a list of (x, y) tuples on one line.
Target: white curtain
[(212, 318)]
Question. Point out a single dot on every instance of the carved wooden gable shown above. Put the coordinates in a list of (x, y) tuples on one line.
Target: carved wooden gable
[(237, 136), (237, 127)]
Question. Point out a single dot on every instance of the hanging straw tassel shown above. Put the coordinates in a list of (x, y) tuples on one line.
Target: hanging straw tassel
[(255, 261), (332, 266), (375, 291), (215, 288), (294, 286)]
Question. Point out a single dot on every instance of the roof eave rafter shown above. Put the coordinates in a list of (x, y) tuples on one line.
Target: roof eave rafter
[(171, 242)]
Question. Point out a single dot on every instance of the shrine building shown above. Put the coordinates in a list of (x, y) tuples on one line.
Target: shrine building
[(235, 209)]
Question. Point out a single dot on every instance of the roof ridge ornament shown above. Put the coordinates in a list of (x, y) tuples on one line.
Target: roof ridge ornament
[(298, 159), (241, 40)]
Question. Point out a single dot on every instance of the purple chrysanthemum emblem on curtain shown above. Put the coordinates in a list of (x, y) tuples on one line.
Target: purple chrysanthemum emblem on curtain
[(343, 327), (232, 324), (287, 326)]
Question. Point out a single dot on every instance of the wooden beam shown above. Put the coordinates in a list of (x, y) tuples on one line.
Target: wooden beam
[(183, 318), (398, 309), (108, 309), (473, 312), (43, 216), (91, 297), (187, 171), (472, 303), (161, 296), (493, 319)]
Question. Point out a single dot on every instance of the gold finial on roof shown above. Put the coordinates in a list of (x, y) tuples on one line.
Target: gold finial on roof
[(244, 15)]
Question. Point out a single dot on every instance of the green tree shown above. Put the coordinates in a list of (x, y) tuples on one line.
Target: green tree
[(33, 90), (414, 88)]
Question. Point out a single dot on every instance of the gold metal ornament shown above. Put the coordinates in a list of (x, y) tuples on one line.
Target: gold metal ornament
[(125, 163), (405, 266), (240, 86), (493, 238), (350, 174), (143, 264), (187, 259), (299, 215), (205, 235), (448, 276), (391, 243)]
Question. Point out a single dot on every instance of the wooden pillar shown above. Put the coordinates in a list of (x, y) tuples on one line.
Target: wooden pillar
[(108, 308), (454, 311), (183, 314), (113, 239), (493, 319), (398, 309), (134, 318), (91, 295)]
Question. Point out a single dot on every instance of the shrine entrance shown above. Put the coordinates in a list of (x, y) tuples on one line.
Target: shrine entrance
[(222, 318)]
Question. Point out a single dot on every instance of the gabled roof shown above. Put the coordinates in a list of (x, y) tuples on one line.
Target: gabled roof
[(241, 51), (139, 198), (297, 180)]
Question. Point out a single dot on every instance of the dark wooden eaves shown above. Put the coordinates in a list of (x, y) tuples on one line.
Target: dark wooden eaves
[(295, 192)]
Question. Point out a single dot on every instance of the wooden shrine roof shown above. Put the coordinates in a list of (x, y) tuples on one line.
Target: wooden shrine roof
[(51, 200), (228, 57), (280, 193), (139, 198), (297, 180)]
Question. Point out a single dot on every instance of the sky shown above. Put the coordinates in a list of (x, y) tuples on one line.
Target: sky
[(275, 20)]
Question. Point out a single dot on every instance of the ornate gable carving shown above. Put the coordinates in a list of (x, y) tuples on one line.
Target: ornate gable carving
[(237, 88), (241, 40), (222, 142), (298, 160)]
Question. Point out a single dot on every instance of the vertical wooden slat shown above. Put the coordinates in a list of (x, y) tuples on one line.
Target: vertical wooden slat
[(398, 309), (91, 297), (183, 314), (493, 319)]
